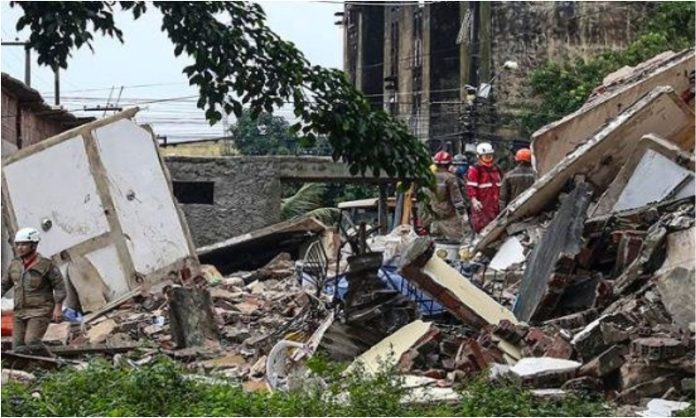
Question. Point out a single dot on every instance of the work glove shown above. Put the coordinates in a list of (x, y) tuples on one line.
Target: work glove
[(476, 204)]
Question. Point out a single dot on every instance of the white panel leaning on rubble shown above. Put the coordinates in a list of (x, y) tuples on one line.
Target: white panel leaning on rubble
[(551, 143), (102, 194), (661, 112)]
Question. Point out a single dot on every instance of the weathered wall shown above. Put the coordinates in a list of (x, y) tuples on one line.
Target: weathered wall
[(246, 196), (33, 128), (532, 33), (247, 190), (36, 128), (9, 123), (203, 149), (527, 32)]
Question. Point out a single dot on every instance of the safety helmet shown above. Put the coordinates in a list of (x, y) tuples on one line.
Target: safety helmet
[(459, 159), (442, 158), (484, 148), (27, 235), (523, 154)]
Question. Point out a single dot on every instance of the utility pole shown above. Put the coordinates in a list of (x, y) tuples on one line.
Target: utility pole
[(57, 86), (27, 59)]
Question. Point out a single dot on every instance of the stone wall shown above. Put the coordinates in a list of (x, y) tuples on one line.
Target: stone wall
[(532, 33), (246, 191), (246, 196)]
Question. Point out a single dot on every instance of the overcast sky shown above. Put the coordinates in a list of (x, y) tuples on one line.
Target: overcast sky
[(145, 64)]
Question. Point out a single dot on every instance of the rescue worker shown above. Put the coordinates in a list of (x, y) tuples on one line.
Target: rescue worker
[(38, 295), (447, 203), (518, 179), (483, 183), (459, 167)]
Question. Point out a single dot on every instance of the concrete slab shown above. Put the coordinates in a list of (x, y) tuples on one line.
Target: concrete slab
[(456, 293), (662, 408), (98, 333), (536, 367), (602, 156), (681, 250), (665, 176), (676, 288), (390, 350), (261, 245), (553, 142), (551, 262), (510, 254), (57, 334)]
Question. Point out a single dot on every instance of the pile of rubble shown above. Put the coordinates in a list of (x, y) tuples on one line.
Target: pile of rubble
[(585, 282)]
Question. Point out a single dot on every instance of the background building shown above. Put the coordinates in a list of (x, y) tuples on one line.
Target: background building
[(416, 59)]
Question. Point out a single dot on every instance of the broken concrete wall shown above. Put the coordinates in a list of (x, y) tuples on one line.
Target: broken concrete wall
[(606, 202), (535, 32), (601, 158), (553, 142), (553, 259), (100, 193)]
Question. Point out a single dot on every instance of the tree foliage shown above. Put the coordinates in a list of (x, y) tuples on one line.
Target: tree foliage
[(238, 61), (270, 135), (563, 87)]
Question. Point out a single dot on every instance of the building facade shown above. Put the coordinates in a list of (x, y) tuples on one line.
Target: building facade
[(423, 61)]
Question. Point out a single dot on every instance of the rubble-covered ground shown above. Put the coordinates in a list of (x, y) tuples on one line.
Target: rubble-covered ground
[(577, 300)]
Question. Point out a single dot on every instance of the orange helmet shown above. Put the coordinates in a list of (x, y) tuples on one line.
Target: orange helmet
[(442, 158), (523, 154)]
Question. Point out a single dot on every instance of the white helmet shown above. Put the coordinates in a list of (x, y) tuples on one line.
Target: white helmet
[(27, 235), (484, 148)]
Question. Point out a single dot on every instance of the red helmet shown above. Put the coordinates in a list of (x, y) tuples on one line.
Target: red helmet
[(523, 154), (442, 158)]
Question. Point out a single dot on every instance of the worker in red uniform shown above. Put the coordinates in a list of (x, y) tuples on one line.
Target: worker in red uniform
[(483, 182)]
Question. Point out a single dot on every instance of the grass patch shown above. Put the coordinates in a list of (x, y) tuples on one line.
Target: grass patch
[(161, 389)]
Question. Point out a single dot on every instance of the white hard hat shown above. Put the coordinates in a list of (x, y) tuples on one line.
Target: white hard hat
[(27, 235), (484, 148)]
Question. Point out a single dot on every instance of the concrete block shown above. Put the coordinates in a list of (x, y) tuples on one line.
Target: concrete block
[(652, 388), (605, 363), (657, 349), (510, 254), (665, 174), (544, 372), (676, 288), (636, 371)]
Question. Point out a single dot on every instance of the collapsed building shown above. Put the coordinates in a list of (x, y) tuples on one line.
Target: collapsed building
[(585, 282)]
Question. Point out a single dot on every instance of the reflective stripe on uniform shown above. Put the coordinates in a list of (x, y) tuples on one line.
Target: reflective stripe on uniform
[(471, 183), (485, 185)]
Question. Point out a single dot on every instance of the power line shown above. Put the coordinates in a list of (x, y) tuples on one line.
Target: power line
[(133, 86)]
